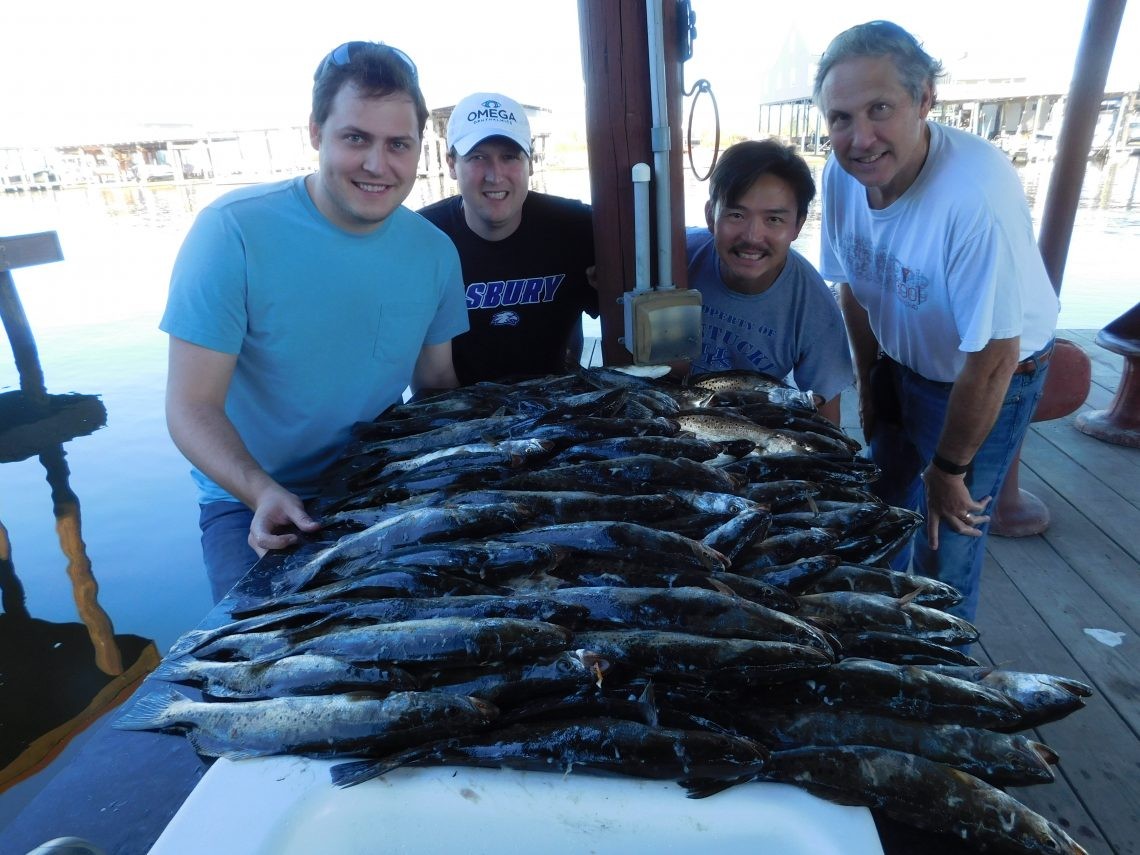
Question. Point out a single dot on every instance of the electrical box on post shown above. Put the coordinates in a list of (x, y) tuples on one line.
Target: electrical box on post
[(662, 325)]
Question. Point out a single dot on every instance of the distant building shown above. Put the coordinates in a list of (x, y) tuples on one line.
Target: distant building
[(1021, 115), (180, 153), (161, 153)]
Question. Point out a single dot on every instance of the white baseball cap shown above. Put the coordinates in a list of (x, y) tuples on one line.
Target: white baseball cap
[(483, 115)]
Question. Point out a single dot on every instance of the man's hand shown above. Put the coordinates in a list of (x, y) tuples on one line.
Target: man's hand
[(592, 276), (948, 500), (277, 510)]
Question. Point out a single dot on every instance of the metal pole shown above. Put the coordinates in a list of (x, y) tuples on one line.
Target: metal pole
[(660, 140), (1094, 57)]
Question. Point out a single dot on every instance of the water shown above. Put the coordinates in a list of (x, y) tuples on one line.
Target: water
[(95, 317)]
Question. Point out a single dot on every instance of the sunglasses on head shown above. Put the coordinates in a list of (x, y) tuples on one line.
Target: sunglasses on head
[(342, 55)]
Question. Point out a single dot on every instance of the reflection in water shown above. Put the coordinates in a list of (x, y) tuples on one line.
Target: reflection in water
[(55, 677), (144, 208), (1108, 185)]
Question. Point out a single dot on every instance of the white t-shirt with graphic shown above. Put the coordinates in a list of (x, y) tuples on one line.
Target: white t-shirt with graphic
[(949, 265)]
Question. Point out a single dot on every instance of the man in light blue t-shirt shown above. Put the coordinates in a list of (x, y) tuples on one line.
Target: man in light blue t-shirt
[(300, 307), (764, 307)]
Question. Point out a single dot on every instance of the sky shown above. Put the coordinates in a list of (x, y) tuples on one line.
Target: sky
[(69, 68)]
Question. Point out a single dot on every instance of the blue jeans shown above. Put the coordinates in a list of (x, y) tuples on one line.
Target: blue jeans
[(903, 451), (225, 544)]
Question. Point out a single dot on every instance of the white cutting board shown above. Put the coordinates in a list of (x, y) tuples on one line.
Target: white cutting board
[(288, 806)]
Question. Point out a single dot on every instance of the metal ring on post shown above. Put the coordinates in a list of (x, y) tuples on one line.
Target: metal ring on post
[(700, 86)]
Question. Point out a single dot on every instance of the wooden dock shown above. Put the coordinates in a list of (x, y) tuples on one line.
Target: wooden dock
[(1067, 602)]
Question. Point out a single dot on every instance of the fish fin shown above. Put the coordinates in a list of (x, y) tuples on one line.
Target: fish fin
[(647, 703), (207, 744), (1048, 756), (356, 772), (907, 598), (149, 711), (722, 588), (362, 695), (1074, 687), (701, 788), (206, 748)]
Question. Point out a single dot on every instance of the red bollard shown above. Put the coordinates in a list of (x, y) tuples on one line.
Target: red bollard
[(1017, 513)]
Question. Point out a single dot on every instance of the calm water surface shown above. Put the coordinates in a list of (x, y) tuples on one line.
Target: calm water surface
[(95, 318)]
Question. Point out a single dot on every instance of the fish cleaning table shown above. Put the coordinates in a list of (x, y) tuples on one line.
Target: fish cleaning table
[(288, 806)]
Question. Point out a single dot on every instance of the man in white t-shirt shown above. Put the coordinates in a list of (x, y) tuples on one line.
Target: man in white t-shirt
[(927, 230)]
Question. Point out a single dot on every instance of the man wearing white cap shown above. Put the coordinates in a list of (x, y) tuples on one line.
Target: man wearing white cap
[(524, 254)]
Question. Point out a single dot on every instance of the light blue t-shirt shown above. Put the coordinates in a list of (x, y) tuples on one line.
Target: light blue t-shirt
[(326, 324), (792, 329)]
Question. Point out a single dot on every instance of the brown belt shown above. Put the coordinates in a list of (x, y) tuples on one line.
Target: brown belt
[(1033, 363)]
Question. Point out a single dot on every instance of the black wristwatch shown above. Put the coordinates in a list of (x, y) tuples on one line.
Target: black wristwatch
[(949, 466)]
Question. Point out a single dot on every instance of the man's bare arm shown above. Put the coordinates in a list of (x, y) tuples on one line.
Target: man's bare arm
[(434, 368), (830, 410), (197, 382), (975, 401)]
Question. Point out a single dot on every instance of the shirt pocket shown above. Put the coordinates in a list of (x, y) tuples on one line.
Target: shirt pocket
[(400, 331)]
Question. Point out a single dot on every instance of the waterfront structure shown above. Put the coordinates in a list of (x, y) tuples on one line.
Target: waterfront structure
[(153, 153), (181, 153), (1022, 115)]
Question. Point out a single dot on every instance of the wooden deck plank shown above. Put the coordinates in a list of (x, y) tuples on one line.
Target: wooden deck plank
[(1072, 607), (1110, 501), (1115, 464), (1093, 555), (1087, 799), (1081, 337), (1025, 643), (1106, 365), (1086, 339), (1115, 467), (1099, 398)]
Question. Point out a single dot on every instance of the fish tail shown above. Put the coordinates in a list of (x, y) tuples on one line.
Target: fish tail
[(359, 771), (188, 643), (150, 712), (700, 788), (173, 670)]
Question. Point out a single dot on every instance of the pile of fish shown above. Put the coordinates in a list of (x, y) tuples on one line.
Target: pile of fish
[(611, 573)]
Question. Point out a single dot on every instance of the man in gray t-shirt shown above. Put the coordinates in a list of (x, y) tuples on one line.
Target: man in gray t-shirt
[(764, 307)]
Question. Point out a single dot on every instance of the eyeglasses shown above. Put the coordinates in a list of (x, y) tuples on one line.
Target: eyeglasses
[(342, 55)]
